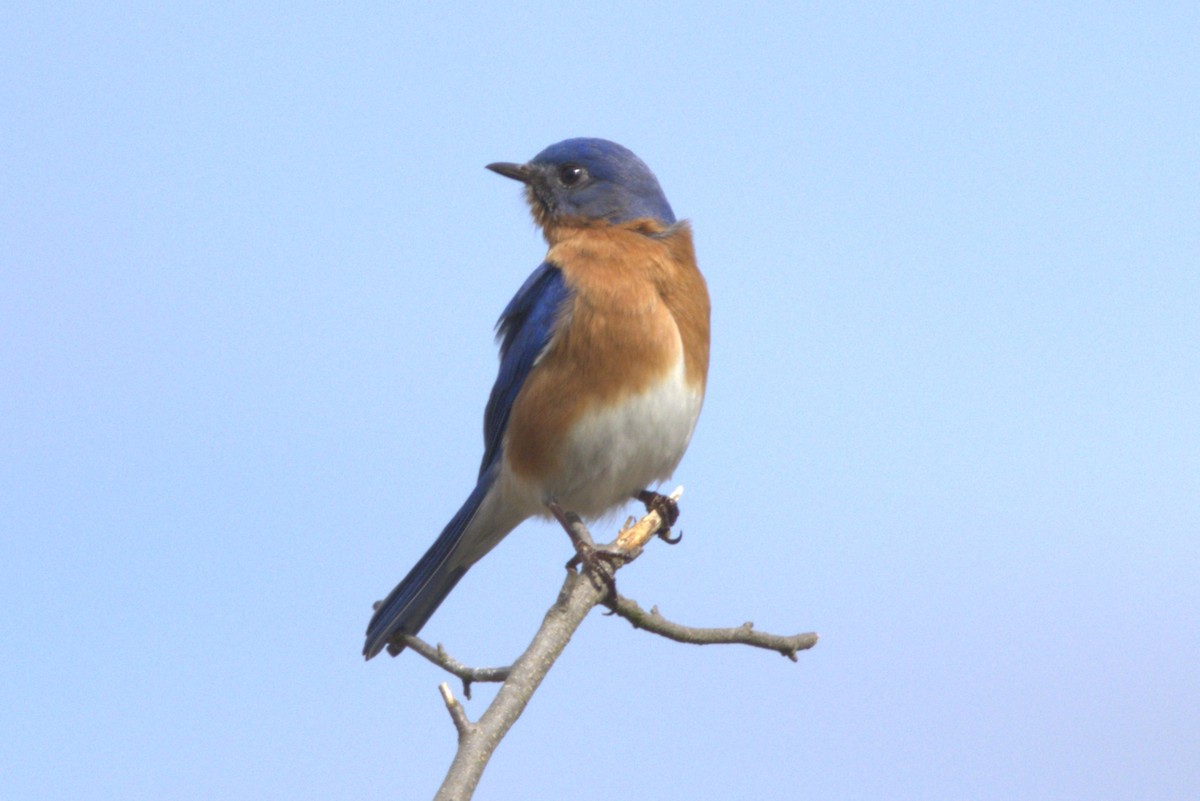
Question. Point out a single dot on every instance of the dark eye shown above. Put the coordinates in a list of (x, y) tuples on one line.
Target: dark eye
[(571, 175)]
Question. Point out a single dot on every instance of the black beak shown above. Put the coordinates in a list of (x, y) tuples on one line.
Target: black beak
[(518, 172)]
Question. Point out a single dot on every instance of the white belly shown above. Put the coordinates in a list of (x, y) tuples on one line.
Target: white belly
[(613, 453), (610, 455)]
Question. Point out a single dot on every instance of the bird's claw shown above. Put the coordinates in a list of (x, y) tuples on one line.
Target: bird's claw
[(664, 534), (595, 555), (667, 509), (603, 561)]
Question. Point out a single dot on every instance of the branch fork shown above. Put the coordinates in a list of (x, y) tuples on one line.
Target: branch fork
[(590, 582)]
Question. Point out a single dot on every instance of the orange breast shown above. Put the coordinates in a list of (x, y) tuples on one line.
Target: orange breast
[(637, 300)]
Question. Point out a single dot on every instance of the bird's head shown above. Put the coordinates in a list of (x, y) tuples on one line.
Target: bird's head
[(586, 181)]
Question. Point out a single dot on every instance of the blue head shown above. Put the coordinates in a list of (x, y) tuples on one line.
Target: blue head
[(592, 179)]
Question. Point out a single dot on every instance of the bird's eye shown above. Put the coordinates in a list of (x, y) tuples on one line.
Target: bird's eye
[(571, 175)]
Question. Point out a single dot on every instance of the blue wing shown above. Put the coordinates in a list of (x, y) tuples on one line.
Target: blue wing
[(524, 331)]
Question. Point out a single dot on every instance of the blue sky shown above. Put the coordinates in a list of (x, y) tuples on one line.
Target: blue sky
[(251, 263)]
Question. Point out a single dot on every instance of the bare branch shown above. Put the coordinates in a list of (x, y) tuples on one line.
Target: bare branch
[(745, 634), (591, 585), (457, 714), (579, 594), (468, 674)]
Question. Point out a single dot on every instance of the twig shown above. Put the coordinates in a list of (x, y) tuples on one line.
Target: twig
[(457, 714), (745, 634), (468, 674)]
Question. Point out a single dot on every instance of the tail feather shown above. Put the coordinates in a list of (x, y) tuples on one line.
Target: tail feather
[(417, 597)]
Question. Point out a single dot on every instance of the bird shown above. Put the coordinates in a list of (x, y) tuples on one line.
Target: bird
[(604, 356)]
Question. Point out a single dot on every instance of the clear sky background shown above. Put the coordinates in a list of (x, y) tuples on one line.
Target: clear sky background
[(250, 262)]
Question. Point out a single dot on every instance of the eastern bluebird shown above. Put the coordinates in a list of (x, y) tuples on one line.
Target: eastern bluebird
[(603, 362)]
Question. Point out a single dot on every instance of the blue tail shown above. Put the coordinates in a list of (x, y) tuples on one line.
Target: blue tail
[(432, 578)]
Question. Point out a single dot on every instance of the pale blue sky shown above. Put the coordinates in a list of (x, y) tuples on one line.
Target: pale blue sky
[(251, 263)]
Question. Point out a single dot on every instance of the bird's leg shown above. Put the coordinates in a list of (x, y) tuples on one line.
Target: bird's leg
[(581, 538), (667, 509), (603, 560)]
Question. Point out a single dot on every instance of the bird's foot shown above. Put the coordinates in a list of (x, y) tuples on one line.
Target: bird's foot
[(603, 560), (667, 509), (603, 563)]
